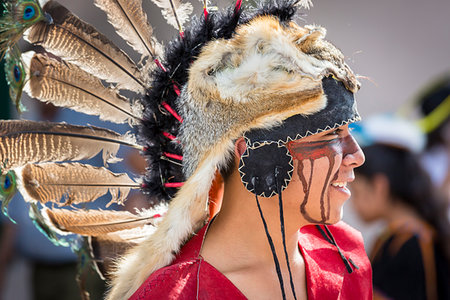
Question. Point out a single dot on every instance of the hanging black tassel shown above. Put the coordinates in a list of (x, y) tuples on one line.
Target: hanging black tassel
[(272, 247), (330, 239), (283, 234)]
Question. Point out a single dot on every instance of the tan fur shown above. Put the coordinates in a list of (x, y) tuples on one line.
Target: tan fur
[(186, 214), (264, 75)]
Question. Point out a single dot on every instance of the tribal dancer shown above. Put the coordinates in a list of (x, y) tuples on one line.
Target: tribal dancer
[(242, 94)]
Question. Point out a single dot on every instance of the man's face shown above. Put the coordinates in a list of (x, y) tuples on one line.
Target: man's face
[(323, 165)]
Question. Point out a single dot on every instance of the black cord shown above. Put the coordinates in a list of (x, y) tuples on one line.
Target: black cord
[(272, 247), (283, 234), (330, 238), (334, 241)]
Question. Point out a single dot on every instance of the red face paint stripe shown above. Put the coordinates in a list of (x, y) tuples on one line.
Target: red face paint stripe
[(310, 151), (314, 150), (306, 189)]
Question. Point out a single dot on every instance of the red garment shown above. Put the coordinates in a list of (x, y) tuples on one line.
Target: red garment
[(191, 277)]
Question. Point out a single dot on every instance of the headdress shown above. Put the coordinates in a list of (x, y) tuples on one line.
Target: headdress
[(232, 73)]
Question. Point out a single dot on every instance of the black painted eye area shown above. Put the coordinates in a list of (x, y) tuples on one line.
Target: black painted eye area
[(29, 12)]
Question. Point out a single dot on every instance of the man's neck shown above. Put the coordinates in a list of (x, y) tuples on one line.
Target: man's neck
[(236, 244), (238, 228)]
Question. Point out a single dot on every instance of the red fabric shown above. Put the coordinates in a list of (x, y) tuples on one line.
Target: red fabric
[(191, 277), (326, 275)]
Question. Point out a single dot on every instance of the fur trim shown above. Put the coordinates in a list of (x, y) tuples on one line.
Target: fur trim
[(186, 214)]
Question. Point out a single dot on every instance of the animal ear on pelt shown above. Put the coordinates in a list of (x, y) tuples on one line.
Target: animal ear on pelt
[(265, 168)]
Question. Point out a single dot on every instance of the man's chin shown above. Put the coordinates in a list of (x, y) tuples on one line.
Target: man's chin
[(335, 217)]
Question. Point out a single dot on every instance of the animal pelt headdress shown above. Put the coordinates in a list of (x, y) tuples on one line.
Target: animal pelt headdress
[(231, 73)]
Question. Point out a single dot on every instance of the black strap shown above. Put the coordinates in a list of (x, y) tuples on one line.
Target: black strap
[(272, 247), (283, 234)]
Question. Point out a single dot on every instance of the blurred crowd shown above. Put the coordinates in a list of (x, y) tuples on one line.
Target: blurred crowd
[(405, 182)]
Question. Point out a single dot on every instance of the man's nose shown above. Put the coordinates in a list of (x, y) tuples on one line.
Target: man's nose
[(353, 155)]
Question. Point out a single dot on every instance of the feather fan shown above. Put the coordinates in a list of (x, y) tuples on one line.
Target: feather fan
[(23, 141), (72, 183), (175, 12), (95, 222), (78, 42), (131, 24), (64, 84)]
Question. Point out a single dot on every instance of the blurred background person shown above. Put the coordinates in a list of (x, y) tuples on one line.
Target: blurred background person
[(434, 105), (411, 258)]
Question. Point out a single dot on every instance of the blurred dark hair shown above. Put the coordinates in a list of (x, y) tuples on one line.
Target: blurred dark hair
[(430, 100), (411, 185)]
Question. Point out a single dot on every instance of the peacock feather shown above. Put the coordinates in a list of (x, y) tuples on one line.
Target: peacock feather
[(40, 223), (15, 76), (8, 187), (18, 15)]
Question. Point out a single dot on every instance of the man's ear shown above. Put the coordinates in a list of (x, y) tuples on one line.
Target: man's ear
[(239, 147)]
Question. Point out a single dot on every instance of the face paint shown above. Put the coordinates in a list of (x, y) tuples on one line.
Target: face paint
[(311, 151)]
